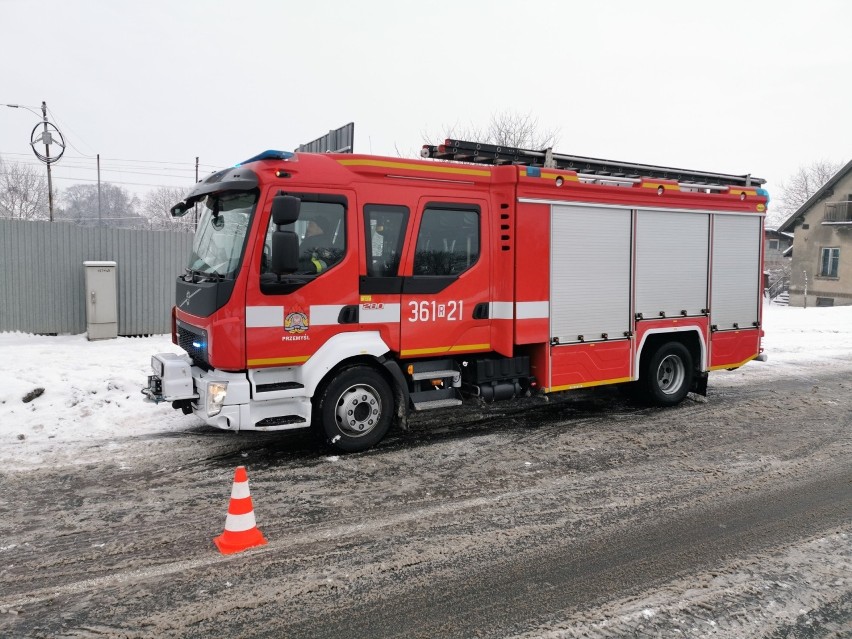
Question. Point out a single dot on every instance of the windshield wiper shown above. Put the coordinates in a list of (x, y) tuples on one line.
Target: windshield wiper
[(195, 276)]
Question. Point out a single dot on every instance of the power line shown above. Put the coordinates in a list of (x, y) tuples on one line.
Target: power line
[(188, 178), (192, 164), (65, 126), (119, 170), (75, 179)]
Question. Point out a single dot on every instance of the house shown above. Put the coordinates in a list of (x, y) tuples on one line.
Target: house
[(775, 245), (822, 245)]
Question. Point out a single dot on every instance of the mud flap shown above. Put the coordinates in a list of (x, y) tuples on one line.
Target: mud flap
[(400, 392), (699, 383)]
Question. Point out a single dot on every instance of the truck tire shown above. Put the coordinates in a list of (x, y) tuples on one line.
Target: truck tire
[(666, 376), (355, 410)]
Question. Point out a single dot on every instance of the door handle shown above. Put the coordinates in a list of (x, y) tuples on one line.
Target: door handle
[(480, 311), (348, 315)]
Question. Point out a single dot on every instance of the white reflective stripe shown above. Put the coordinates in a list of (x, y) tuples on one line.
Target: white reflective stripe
[(240, 490), (325, 315), (264, 316), (532, 310), (239, 523), (500, 310), (386, 313)]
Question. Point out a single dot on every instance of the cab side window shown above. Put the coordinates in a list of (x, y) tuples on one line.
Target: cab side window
[(322, 237), (385, 231), (447, 242)]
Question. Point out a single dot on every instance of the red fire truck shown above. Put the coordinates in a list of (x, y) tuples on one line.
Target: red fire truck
[(341, 292)]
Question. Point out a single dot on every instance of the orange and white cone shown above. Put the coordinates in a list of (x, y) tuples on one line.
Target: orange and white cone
[(240, 527)]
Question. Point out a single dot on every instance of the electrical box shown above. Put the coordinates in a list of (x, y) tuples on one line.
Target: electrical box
[(101, 300)]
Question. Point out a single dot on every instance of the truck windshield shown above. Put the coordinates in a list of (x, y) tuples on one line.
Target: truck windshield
[(220, 237)]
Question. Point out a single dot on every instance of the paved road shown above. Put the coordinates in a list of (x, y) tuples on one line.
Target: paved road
[(729, 516)]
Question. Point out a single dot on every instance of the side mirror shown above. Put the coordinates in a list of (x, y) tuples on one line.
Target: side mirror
[(179, 209), (285, 209), (284, 257)]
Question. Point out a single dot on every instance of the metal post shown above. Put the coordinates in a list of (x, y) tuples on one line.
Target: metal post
[(99, 190), (806, 288), (47, 153), (195, 208)]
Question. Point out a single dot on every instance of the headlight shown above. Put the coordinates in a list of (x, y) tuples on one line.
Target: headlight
[(157, 366), (216, 392)]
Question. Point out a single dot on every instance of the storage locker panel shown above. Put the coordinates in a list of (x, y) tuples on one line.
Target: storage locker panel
[(734, 296), (671, 263), (589, 273)]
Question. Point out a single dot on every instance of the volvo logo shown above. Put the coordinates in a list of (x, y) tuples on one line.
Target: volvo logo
[(189, 296)]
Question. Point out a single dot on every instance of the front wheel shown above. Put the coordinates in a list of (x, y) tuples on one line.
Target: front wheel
[(667, 374), (355, 410)]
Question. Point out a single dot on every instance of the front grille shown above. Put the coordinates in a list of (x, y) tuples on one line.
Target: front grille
[(194, 341)]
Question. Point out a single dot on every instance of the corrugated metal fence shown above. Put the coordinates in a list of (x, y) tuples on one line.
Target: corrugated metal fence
[(42, 288)]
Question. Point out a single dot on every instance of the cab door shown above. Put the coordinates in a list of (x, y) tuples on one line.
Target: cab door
[(446, 288)]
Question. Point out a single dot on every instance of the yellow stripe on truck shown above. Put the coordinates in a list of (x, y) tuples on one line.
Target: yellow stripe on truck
[(405, 166), (446, 349)]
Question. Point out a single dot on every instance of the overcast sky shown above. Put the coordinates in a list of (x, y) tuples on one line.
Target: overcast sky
[(739, 87)]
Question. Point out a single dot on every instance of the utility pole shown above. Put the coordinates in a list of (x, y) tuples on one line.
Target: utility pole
[(47, 140)]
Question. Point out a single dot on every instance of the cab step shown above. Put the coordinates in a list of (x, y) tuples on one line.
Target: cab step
[(437, 403), (435, 398), (452, 375)]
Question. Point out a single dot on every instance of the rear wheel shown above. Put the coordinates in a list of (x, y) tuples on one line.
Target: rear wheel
[(666, 376), (355, 410)]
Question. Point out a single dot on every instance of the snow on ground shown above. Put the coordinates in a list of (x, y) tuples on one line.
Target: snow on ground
[(91, 390), (91, 395), (797, 337)]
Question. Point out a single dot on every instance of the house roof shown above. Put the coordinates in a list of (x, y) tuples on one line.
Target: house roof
[(789, 223), (778, 234)]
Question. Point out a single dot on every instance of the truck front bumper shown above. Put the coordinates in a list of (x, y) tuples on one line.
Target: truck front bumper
[(220, 398)]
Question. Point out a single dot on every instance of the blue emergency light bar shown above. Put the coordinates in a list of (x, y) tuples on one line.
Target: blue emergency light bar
[(270, 154)]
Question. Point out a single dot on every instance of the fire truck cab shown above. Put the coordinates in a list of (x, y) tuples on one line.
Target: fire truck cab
[(341, 291)]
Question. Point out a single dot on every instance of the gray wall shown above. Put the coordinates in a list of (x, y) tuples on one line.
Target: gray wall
[(42, 287)]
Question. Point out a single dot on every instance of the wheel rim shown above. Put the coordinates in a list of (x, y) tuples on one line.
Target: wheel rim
[(358, 410), (670, 374)]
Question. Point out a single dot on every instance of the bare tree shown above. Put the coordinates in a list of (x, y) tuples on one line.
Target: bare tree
[(800, 187), (118, 206), (156, 205), (505, 128), (23, 192)]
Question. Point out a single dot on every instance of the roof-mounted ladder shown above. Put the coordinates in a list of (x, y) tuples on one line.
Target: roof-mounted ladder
[(590, 168)]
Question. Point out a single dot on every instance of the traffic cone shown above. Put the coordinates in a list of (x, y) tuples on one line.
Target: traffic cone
[(240, 527)]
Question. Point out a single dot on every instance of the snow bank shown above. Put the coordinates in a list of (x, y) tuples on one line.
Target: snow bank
[(91, 394)]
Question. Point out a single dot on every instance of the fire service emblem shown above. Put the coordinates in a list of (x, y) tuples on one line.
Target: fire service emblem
[(296, 323)]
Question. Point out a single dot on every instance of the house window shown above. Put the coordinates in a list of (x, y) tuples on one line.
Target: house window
[(829, 262), (825, 301), (773, 245)]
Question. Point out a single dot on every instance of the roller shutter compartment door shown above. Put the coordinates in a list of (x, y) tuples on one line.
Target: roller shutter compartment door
[(589, 273), (671, 263), (736, 271)]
